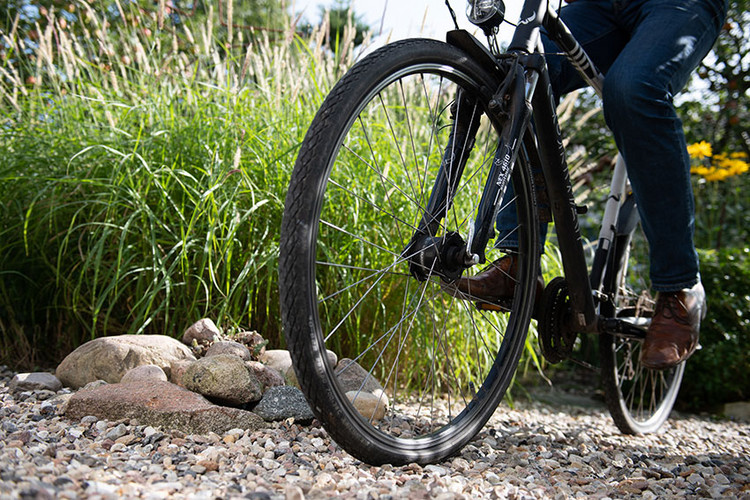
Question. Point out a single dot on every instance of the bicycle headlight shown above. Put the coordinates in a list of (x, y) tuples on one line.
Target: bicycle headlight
[(487, 14)]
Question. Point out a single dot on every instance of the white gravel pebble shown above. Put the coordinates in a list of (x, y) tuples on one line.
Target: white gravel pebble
[(530, 451)]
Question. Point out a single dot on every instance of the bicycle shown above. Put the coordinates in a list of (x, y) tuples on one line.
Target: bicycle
[(394, 196)]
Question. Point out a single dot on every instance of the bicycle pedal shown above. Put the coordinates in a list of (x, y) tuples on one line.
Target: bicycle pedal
[(489, 306)]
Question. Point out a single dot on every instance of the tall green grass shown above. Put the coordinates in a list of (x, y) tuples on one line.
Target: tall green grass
[(144, 173)]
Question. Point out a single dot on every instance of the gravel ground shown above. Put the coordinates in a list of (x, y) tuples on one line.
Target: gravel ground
[(532, 451)]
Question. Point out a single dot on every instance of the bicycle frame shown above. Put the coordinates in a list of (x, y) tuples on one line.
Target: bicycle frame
[(527, 81)]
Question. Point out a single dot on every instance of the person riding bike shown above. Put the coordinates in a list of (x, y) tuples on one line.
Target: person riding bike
[(647, 50)]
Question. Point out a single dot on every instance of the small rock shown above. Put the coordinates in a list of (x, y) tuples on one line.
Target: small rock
[(278, 359), (283, 402), (267, 376), (435, 469), (253, 341), (93, 385), (368, 405), (209, 465), (333, 359), (721, 479), (352, 377), (223, 378), (229, 347), (198, 469), (117, 432), (144, 373), (203, 330), (695, 479), (294, 493), (34, 382), (177, 371)]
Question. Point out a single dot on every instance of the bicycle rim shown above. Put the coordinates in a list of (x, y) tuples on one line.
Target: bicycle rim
[(639, 399)]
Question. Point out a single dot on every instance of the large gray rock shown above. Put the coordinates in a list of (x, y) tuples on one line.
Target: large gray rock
[(160, 404), (204, 330), (223, 378), (281, 403), (38, 381), (109, 358)]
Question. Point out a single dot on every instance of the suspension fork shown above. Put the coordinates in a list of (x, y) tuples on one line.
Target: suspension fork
[(466, 115), (510, 114), (508, 110), (429, 252)]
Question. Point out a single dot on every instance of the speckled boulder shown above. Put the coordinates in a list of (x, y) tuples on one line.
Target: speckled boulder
[(224, 379)]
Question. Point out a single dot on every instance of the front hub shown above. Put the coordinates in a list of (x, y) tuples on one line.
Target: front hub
[(444, 256)]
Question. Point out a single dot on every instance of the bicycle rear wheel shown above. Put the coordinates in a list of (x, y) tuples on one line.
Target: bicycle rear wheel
[(639, 399), (436, 365)]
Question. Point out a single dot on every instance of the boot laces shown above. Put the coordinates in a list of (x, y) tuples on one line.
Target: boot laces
[(670, 306)]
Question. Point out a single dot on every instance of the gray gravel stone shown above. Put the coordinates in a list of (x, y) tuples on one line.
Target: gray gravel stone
[(34, 382), (529, 451)]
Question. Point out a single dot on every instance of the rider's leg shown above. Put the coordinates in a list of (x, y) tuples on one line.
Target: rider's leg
[(669, 39)]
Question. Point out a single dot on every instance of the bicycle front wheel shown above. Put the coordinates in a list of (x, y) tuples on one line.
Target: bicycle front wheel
[(433, 367), (639, 399)]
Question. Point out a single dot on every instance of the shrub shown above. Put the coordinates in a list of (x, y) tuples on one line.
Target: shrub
[(720, 371)]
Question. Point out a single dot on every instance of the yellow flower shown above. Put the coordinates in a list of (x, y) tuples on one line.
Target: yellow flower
[(702, 171), (722, 165), (737, 167), (699, 150), (718, 175)]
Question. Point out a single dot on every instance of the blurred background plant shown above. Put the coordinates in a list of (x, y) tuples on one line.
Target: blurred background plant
[(720, 183)]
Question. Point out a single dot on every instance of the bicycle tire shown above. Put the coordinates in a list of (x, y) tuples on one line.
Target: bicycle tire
[(639, 399), (442, 363)]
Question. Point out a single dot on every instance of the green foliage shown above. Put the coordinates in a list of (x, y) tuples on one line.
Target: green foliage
[(147, 185), (720, 371), (719, 114)]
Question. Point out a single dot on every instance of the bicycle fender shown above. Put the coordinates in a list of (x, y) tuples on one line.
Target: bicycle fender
[(478, 52)]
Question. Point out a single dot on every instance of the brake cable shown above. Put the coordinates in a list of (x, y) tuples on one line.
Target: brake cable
[(453, 13)]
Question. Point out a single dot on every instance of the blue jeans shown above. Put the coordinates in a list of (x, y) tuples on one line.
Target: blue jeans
[(647, 50)]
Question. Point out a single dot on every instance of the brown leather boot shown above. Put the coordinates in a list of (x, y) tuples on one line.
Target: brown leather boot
[(673, 335), (493, 287)]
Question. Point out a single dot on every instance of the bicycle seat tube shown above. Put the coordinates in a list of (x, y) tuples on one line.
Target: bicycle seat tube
[(526, 40)]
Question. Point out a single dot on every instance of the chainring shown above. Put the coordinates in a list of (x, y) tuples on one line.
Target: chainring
[(556, 337)]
